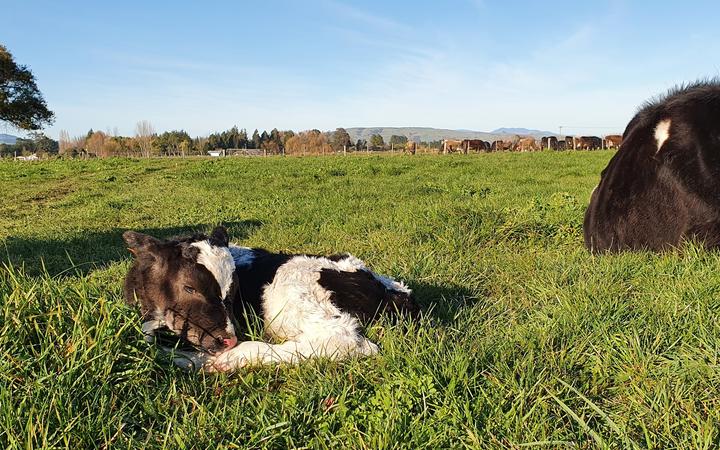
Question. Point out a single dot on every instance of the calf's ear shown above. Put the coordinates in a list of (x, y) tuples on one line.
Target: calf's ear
[(140, 243), (219, 237)]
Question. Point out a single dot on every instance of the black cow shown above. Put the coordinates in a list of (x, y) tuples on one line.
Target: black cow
[(663, 184), (549, 142), (570, 142), (474, 144), (588, 143)]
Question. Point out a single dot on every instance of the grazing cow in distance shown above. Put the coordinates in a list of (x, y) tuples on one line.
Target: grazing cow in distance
[(561, 144), (549, 142), (663, 185), (570, 142), (613, 141), (474, 144), (588, 143), (526, 144), (451, 145), (504, 144)]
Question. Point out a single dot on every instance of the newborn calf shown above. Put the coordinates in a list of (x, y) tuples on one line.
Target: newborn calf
[(198, 287)]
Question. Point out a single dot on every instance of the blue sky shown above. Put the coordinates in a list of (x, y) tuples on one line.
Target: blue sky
[(464, 64)]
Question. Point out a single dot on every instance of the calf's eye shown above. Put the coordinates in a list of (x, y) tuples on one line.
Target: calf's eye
[(189, 289)]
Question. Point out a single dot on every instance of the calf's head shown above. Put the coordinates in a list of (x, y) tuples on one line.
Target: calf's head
[(186, 285)]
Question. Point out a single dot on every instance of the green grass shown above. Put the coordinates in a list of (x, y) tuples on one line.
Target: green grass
[(530, 342)]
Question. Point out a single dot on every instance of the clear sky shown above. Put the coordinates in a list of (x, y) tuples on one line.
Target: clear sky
[(463, 64)]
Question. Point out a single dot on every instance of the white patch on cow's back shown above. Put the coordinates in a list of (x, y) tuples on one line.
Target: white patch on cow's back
[(662, 133), (297, 307), (349, 264), (219, 261), (243, 256), (352, 264)]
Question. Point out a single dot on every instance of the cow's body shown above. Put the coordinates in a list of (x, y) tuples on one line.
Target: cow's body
[(477, 145), (613, 141), (505, 144), (549, 142), (663, 184), (588, 143), (526, 144)]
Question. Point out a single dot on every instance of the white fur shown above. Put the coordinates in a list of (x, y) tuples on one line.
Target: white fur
[(149, 327), (662, 133), (299, 311), (219, 261)]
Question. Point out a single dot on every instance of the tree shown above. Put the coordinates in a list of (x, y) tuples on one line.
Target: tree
[(144, 132), (398, 141), (21, 103), (64, 142), (376, 141), (256, 139), (95, 142), (361, 144), (340, 139), (307, 143)]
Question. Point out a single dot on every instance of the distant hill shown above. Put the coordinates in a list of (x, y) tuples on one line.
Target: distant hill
[(8, 139), (438, 134), (523, 132)]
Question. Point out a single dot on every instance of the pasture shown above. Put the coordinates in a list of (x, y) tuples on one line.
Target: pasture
[(527, 340)]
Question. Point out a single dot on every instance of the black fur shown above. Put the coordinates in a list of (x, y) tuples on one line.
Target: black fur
[(361, 294), (654, 199), (255, 276)]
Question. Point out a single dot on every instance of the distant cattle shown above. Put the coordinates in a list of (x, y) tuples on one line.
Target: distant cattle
[(549, 142), (586, 142), (526, 144), (503, 144), (475, 145), (613, 141), (562, 145), (451, 145), (663, 185)]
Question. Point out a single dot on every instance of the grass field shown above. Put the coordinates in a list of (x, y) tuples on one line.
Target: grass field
[(528, 340)]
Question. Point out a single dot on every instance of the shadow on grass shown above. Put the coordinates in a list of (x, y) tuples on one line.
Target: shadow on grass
[(444, 302), (91, 250)]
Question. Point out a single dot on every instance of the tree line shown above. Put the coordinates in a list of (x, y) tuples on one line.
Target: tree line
[(147, 143)]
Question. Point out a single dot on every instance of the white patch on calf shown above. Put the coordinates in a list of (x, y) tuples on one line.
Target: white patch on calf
[(219, 261), (296, 307), (353, 264), (662, 133)]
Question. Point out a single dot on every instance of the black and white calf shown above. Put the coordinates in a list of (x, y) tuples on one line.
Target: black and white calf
[(197, 287), (663, 184)]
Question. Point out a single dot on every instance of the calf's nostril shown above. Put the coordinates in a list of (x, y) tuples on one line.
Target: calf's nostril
[(229, 343)]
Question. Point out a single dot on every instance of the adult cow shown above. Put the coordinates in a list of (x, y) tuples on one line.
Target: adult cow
[(588, 143), (549, 142), (451, 145), (613, 141), (663, 184), (473, 144), (526, 144)]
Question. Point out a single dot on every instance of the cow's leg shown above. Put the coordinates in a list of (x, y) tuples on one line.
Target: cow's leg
[(253, 353)]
